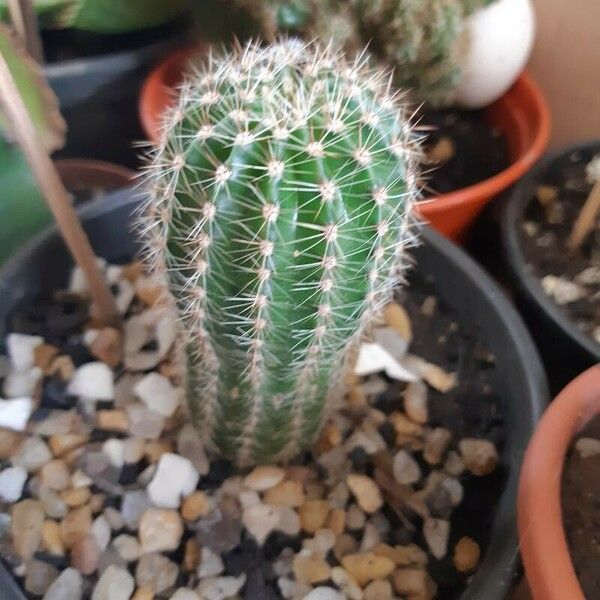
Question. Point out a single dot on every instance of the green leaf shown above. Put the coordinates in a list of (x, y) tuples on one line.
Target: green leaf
[(23, 211), (115, 16), (39, 99)]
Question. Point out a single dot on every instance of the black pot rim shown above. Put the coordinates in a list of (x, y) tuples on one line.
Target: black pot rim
[(511, 216), (495, 575)]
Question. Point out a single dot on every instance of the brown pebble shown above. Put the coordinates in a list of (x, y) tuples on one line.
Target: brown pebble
[(299, 474), (132, 271), (108, 346), (466, 555), (403, 425), (367, 566), (55, 475), (196, 506), (310, 569), (191, 556), (443, 150), (9, 443), (27, 520), (85, 555), (97, 503), (148, 291), (61, 444), (285, 493), (480, 456), (546, 195), (112, 420), (264, 477), (74, 497), (366, 492), (402, 556), (63, 367), (160, 530), (336, 521), (156, 448), (414, 583), (51, 540), (344, 544), (397, 318), (43, 355), (75, 525), (313, 514), (379, 590), (143, 593)]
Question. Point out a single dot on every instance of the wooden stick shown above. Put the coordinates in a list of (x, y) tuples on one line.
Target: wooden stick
[(56, 195), (586, 220), (25, 22)]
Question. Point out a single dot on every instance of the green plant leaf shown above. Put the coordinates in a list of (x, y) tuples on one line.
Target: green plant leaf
[(39, 99), (23, 211)]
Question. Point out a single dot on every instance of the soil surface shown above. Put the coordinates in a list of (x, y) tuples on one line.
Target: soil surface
[(572, 280), (463, 147), (469, 409), (580, 497)]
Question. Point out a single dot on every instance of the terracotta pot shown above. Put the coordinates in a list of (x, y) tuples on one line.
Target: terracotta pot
[(79, 174), (544, 548), (521, 114)]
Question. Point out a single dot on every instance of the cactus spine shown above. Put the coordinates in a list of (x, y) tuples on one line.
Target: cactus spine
[(279, 216)]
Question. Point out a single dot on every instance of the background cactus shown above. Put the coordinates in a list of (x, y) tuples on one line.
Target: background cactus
[(421, 39), (279, 216)]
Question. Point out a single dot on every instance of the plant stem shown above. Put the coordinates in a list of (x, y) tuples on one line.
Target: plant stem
[(586, 220), (56, 195), (24, 20)]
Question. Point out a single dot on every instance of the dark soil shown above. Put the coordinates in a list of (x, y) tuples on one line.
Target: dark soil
[(479, 152), (580, 499), (545, 230)]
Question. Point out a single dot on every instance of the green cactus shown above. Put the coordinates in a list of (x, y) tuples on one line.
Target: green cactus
[(420, 39), (279, 215)]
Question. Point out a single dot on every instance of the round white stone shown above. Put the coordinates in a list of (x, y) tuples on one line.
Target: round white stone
[(12, 481), (15, 413), (93, 381), (21, 349), (157, 393), (175, 477)]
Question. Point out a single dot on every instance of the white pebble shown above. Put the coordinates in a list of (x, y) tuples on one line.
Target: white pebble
[(15, 413), (101, 531), (12, 481), (436, 533), (324, 593), (211, 564), (21, 384), (185, 594), (93, 381), (114, 584), (175, 477), (260, 521), (406, 469), (115, 450), (373, 358), (220, 588), (157, 393), (20, 348)]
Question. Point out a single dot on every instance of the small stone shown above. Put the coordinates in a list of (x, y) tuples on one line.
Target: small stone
[(366, 492), (68, 586), (156, 572), (371, 538), (63, 367), (157, 393), (160, 530), (480, 456), (260, 521), (248, 498), (443, 150), (51, 540), (402, 556), (220, 531), (101, 531), (85, 555), (9, 442), (175, 477), (466, 555), (190, 446), (133, 506), (114, 518), (40, 576), (415, 402), (374, 358), (289, 521), (414, 583), (191, 556), (32, 455), (436, 533), (92, 381), (75, 525), (347, 585), (392, 342), (433, 375), (211, 564), (313, 514), (405, 468), (323, 593), (143, 422), (55, 475), (185, 594), (27, 519), (403, 425), (143, 593), (436, 444), (12, 481), (396, 317), (546, 195), (355, 518), (196, 506), (110, 558), (75, 497), (262, 478), (127, 547), (54, 506), (21, 349), (114, 584), (454, 464), (220, 588), (586, 447), (344, 544), (322, 542), (15, 413), (366, 566), (454, 489), (133, 450), (370, 442), (43, 356), (115, 419), (310, 568), (113, 448), (379, 590), (561, 290), (336, 521), (62, 444), (286, 493)]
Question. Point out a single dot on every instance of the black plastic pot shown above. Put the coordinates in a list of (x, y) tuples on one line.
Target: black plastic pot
[(98, 93), (566, 350), (519, 379)]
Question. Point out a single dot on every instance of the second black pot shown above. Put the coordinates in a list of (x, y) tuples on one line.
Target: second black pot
[(518, 378)]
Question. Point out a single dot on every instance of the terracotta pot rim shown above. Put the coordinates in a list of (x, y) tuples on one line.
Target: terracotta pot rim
[(91, 165), (548, 566)]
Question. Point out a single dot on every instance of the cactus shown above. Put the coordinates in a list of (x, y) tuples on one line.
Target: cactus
[(278, 216), (421, 39)]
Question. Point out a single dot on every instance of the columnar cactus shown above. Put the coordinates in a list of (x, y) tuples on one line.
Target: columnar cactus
[(279, 216)]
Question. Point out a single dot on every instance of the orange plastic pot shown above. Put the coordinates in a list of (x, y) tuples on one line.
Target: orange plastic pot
[(548, 567), (521, 114)]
